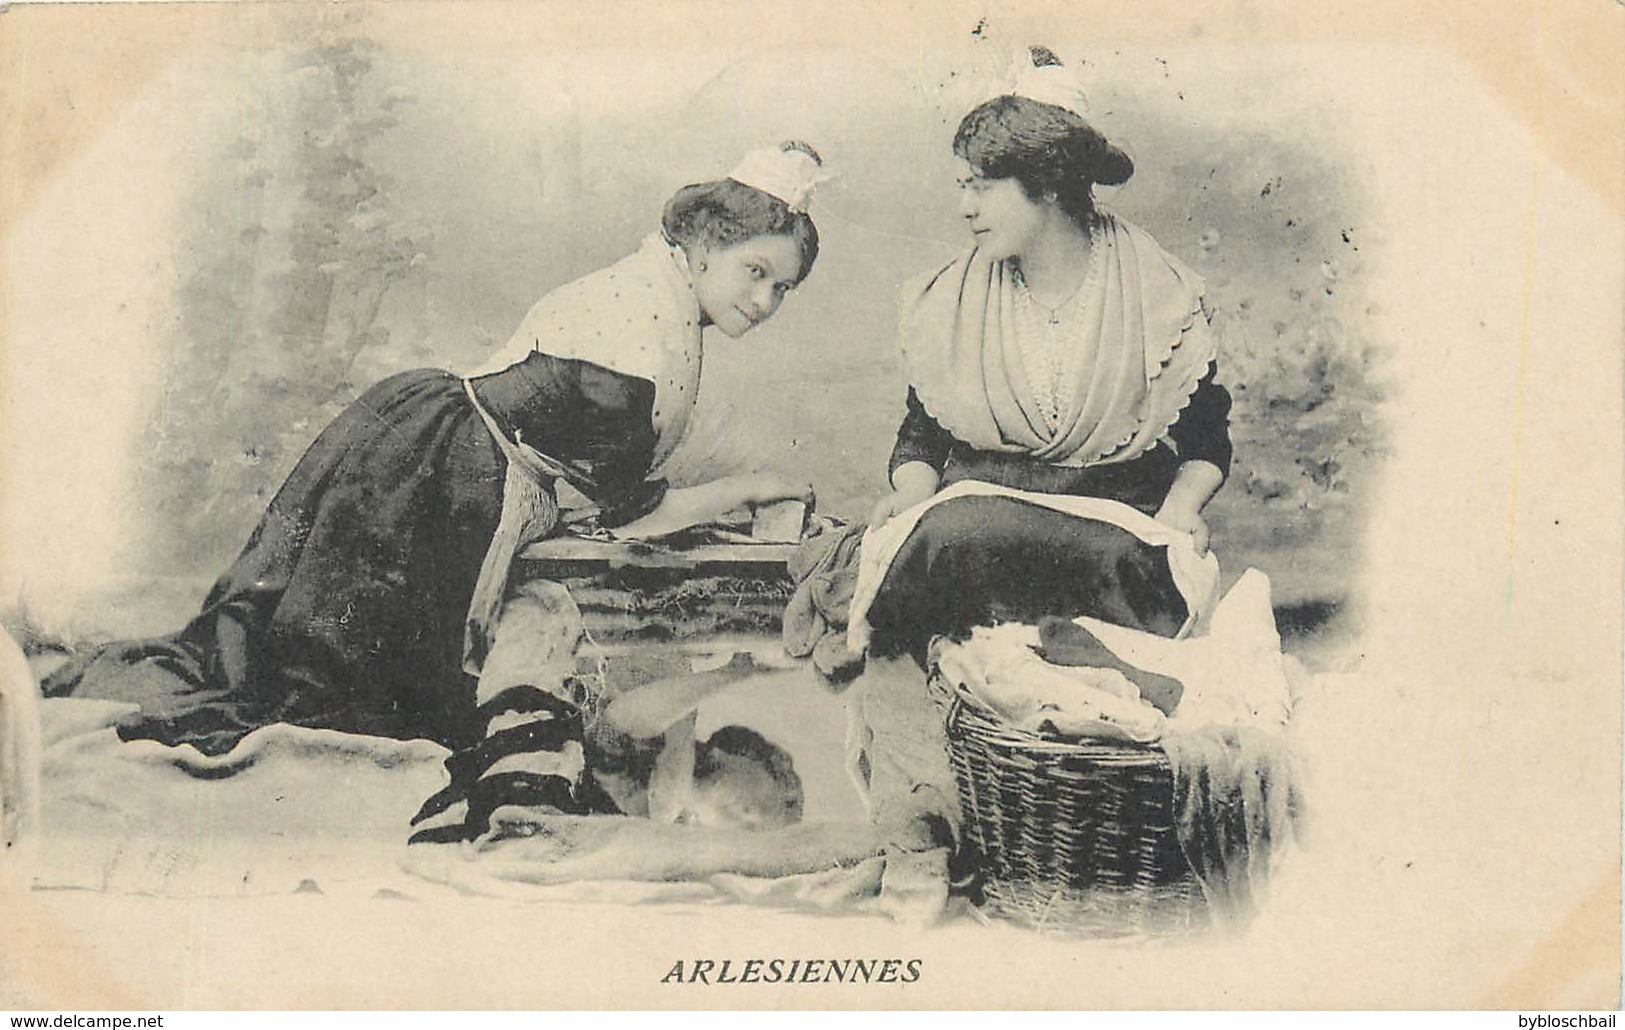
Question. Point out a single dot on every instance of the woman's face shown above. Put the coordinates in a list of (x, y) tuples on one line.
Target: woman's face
[(1003, 219), (739, 286)]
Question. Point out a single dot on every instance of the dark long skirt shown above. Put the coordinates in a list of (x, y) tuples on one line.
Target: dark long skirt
[(980, 561), (345, 609)]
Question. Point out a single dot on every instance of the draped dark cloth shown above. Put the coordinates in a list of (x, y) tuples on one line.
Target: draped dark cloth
[(980, 561), (345, 609)]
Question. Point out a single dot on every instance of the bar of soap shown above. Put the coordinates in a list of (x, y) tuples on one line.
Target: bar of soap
[(781, 522)]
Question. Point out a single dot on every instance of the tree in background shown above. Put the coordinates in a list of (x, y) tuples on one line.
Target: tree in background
[(298, 243)]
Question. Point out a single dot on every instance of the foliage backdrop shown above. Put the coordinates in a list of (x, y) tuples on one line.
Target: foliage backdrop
[(364, 207)]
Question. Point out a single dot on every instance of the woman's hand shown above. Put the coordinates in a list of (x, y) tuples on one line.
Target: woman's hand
[(1179, 517), (885, 507), (912, 483), (687, 506), (1194, 485), (767, 487), (894, 503)]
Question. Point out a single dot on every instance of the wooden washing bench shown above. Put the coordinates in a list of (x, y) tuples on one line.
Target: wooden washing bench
[(666, 613), (705, 601)]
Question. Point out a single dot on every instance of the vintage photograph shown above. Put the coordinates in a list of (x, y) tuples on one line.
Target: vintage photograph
[(534, 506)]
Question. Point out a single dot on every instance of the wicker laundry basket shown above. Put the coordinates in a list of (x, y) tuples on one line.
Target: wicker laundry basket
[(1076, 839)]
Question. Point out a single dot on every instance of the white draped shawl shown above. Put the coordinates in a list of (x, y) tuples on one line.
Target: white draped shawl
[(1143, 321)]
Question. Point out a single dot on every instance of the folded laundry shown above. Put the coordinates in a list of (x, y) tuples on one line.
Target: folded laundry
[(825, 570), (1063, 642), (1233, 675), (1090, 678), (1001, 666)]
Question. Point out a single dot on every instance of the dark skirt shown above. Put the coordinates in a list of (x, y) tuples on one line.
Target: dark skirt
[(980, 561), (345, 609)]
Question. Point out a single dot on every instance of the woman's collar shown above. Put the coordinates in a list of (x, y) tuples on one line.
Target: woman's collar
[(677, 261)]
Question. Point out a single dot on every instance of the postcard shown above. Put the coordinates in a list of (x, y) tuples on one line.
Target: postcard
[(725, 505)]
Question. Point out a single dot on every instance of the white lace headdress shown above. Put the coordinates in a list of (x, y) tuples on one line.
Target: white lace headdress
[(788, 173)]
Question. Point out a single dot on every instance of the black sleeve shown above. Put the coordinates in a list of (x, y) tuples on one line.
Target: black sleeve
[(621, 508), (624, 450), (1202, 432), (920, 438)]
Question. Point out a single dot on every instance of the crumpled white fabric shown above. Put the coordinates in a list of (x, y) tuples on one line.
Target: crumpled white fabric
[(293, 810), (999, 667), (289, 809), (1234, 674), (19, 749)]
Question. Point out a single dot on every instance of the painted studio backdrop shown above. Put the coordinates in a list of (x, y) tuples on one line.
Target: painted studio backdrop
[(333, 205)]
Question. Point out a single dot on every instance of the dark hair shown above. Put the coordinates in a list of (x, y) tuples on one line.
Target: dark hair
[(746, 743), (1047, 149), (723, 212)]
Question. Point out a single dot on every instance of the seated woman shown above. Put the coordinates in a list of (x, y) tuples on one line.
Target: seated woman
[(1063, 355), (372, 592)]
